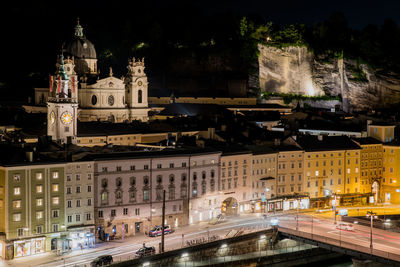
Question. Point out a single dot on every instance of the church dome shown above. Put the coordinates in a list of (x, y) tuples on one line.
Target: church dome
[(80, 47)]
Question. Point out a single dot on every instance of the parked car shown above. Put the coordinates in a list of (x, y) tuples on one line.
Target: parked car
[(102, 261), (345, 226), (145, 251), (156, 230)]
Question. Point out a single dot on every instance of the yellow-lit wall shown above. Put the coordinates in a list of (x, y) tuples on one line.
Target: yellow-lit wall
[(391, 174), (382, 133), (371, 165), (328, 172), (290, 173)]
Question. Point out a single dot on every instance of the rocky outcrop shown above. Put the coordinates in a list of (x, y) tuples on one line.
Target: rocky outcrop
[(297, 70)]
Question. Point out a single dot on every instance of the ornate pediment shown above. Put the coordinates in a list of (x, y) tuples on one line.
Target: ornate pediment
[(108, 83)]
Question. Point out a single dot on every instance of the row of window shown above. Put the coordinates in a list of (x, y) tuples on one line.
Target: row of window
[(292, 165), (317, 173), (266, 160), (125, 212), (324, 182), (39, 189), (159, 166), (39, 176), (228, 183), (78, 203), (78, 217), (78, 189), (235, 173), (235, 163), (39, 229), (78, 177), (282, 178), (282, 189)]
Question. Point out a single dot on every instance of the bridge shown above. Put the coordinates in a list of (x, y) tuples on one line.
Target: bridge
[(356, 243)]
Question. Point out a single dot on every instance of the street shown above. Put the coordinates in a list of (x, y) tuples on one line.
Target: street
[(308, 223)]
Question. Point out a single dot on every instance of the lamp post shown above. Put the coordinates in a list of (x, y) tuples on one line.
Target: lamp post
[(297, 216), (371, 214)]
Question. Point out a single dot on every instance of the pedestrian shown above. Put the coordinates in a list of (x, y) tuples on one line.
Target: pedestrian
[(144, 244)]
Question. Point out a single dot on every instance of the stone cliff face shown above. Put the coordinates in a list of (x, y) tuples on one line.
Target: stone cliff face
[(296, 70)]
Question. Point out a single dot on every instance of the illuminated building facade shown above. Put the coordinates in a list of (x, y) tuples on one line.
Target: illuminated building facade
[(32, 209), (236, 181), (390, 184)]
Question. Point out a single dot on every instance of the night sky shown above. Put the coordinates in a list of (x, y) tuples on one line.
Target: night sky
[(32, 33)]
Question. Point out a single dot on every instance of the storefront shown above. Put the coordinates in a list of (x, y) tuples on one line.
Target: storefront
[(29, 247), (81, 237), (288, 203)]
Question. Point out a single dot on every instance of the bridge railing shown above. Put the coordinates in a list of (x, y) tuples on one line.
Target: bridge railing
[(341, 243)]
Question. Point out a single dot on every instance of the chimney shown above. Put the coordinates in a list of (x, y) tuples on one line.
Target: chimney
[(211, 133), (320, 137), (29, 156), (277, 141)]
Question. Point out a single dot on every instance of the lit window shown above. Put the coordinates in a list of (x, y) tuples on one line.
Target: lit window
[(56, 200), (17, 191), (39, 202), (39, 189), (17, 178), (17, 204), (55, 187), (17, 217), (39, 215), (55, 175), (39, 176), (316, 173)]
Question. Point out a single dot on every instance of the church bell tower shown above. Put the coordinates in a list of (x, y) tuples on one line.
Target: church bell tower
[(136, 85), (62, 105)]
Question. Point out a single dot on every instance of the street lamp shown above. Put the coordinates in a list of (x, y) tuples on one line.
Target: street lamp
[(371, 214), (297, 216)]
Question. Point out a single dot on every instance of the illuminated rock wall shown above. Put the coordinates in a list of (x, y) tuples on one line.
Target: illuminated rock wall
[(296, 70), (287, 70)]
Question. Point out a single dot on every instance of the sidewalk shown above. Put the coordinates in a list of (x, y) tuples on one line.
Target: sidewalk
[(49, 257)]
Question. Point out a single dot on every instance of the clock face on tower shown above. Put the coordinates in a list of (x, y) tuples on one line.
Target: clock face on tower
[(140, 83), (66, 117), (52, 117)]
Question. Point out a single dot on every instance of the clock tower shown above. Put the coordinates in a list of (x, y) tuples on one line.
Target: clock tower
[(136, 85), (62, 104)]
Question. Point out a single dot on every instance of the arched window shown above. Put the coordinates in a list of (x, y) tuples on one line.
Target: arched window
[(140, 96), (118, 182)]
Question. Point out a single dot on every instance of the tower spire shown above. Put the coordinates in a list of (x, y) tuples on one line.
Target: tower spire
[(78, 29)]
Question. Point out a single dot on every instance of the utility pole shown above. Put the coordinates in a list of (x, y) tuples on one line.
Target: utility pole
[(163, 223)]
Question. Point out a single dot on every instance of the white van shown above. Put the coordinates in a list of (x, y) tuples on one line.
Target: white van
[(345, 226)]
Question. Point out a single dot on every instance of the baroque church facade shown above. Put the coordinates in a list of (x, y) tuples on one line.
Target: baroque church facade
[(110, 99)]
